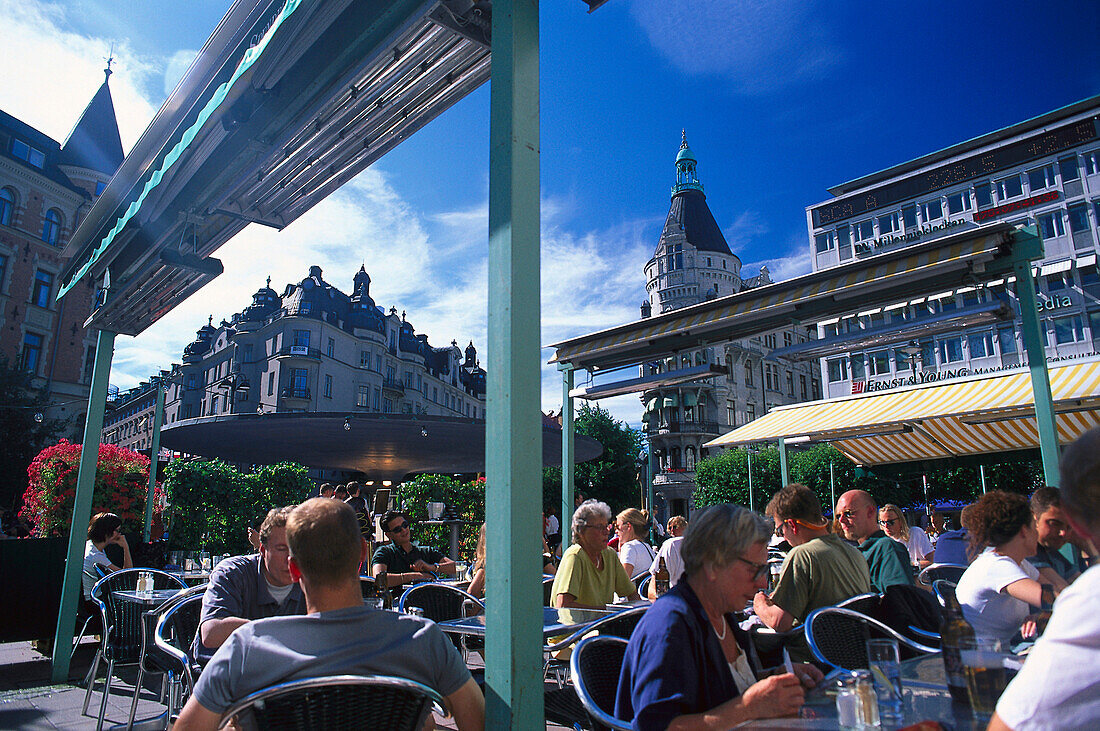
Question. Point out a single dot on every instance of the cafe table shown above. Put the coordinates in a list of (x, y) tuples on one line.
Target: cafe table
[(151, 598), (925, 697), (554, 622)]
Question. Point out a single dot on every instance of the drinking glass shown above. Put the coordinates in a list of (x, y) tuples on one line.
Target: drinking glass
[(374, 602), (204, 561), (987, 672), (460, 570), (414, 611), (884, 663)]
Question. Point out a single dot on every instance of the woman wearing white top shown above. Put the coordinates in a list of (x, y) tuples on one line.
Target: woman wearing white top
[(635, 553), (892, 521), (103, 529), (999, 591)]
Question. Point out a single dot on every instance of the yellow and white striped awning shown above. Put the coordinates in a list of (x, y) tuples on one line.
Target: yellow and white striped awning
[(971, 415)]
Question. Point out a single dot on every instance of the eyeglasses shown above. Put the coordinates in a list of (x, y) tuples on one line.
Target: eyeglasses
[(888, 522), (398, 528), (600, 526), (779, 529), (760, 568)]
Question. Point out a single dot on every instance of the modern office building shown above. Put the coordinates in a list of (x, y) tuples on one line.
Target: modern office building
[(1043, 172), (692, 263), (45, 190), (314, 348)]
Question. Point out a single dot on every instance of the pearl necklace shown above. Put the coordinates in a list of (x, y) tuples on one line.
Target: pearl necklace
[(722, 636)]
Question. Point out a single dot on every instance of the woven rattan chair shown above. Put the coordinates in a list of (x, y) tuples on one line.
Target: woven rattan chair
[(838, 637), (620, 624), (175, 628), (366, 703), (949, 571), (595, 668), (122, 628), (441, 602)]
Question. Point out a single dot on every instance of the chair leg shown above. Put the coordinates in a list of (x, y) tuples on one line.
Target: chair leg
[(106, 692), (89, 680), (134, 700), (79, 637)]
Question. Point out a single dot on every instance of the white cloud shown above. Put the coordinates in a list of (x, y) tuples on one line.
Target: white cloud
[(176, 67), (758, 45), (39, 56)]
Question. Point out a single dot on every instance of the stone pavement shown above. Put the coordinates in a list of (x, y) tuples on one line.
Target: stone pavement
[(28, 700)]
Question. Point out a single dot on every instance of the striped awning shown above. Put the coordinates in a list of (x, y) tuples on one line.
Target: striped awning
[(972, 415)]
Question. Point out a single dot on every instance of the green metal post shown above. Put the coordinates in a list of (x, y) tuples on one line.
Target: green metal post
[(568, 427), (1040, 377), (981, 471), (154, 450), (832, 486), (72, 589), (513, 662), (783, 475), (748, 458)]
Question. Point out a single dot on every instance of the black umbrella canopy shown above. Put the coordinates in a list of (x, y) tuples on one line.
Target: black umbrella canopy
[(383, 446)]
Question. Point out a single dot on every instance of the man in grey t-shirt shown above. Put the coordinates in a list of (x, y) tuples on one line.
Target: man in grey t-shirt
[(338, 636)]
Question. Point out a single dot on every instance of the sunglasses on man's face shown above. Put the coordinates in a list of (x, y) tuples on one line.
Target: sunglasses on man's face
[(888, 522), (398, 528)]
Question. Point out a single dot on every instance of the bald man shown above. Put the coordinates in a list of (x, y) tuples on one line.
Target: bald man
[(887, 559)]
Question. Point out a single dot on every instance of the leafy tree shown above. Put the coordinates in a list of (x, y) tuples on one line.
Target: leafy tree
[(213, 503), (613, 476), (465, 499), (121, 487), (22, 435)]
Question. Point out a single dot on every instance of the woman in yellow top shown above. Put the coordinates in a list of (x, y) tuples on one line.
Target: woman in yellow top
[(590, 572)]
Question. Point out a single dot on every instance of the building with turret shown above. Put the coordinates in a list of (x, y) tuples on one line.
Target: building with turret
[(314, 348), (46, 188), (692, 263)]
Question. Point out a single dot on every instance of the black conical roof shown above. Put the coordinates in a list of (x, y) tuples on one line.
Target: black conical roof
[(690, 213), (94, 142)]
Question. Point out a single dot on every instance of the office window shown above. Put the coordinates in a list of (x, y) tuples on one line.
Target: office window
[(213, 404), (25, 152), (51, 226), (674, 257), (750, 412), (1078, 215), (748, 373), (376, 399), (330, 348), (858, 364), (32, 352), (909, 216), (1058, 282), (1067, 166), (7, 206), (838, 369), (299, 382), (246, 353), (788, 339), (863, 230), (435, 394), (928, 354), (301, 338), (304, 308), (364, 359), (824, 242), (980, 345), (271, 383), (888, 224), (1092, 162), (1040, 177), (790, 384), (378, 362), (387, 406), (771, 377), (902, 362), (43, 285), (816, 386), (328, 386), (931, 211), (802, 387), (879, 362), (1050, 225), (951, 350), (362, 396), (1009, 188), (983, 194), (958, 202), (1068, 330)]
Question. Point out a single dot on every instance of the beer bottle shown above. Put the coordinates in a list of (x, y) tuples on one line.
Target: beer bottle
[(660, 578), (952, 631), (382, 590)]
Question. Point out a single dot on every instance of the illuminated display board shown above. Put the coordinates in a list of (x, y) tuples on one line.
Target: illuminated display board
[(987, 163)]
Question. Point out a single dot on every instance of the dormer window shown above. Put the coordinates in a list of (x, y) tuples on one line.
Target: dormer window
[(23, 151)]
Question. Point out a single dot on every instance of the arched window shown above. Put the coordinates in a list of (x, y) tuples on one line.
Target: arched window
[(51, 226), (675, 458), (689, 458), (7, 206)]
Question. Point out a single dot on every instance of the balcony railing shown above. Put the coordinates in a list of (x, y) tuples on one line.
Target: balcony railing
[(302, 393), (392, 384), (684, 427), (298, 351)]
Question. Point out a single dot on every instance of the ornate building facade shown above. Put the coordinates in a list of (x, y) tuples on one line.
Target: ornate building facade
[(45, 190), (314, 348), (692, 263)]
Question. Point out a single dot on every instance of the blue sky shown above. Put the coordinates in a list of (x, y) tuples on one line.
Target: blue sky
[(780, 100)]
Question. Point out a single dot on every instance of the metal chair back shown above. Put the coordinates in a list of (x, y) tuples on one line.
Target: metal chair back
[(943, 588), (547, 591), (838, 637), (371, 703), (643, 587), (122, 619), (949, 571), (366, 586), (440, 602), (595, 667)]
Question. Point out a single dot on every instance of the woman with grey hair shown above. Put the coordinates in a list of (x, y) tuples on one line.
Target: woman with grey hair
[(590, 573), (686, 665)]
